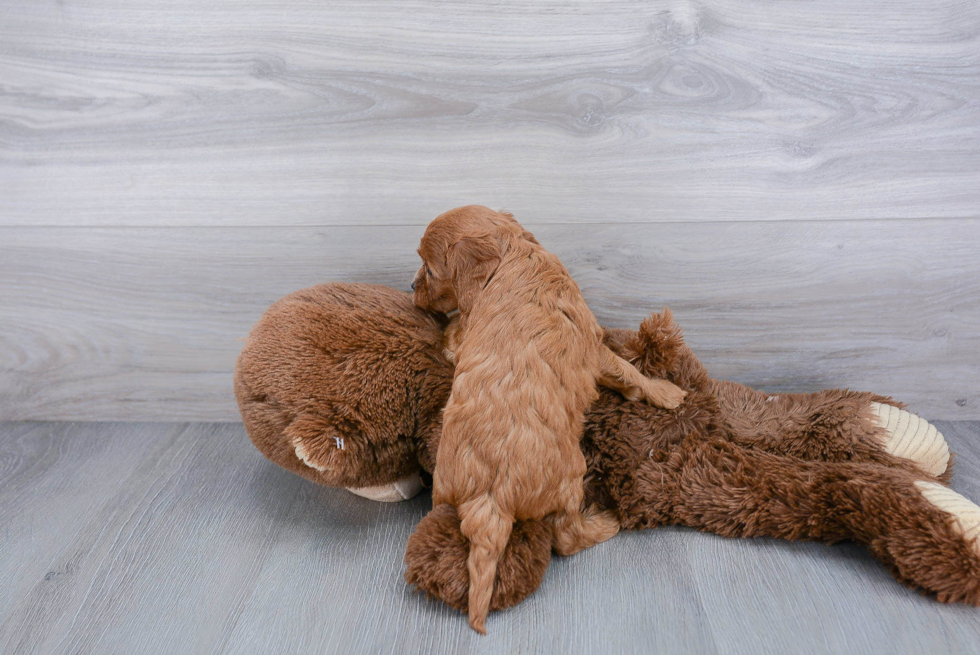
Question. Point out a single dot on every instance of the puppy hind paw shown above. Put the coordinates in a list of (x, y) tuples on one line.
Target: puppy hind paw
[(606, 525), (592, 527), (910, 437), (600, 525)]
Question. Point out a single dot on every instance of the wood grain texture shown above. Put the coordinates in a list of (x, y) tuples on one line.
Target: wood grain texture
[(146, 323), (180, 538), (351, 113)]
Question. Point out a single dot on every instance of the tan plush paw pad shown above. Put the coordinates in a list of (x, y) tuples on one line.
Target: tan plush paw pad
[(397, 491), (911, 437), (306, 456), (965, 513)]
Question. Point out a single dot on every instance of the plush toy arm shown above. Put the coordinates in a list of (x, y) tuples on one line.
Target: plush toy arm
[(831, 425), (925, 532), (834, 425)]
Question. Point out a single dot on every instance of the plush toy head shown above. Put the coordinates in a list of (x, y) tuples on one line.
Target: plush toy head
[(344, 384)]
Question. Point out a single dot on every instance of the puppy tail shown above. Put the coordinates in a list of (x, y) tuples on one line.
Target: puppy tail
[(488, 531)]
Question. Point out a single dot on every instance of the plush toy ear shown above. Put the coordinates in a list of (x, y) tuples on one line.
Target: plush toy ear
[(658, 350), (472, 261)]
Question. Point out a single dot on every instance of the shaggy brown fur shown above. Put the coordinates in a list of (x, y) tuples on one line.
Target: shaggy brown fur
[(528, 353), (363, 365), (522, 564), (731, 460)]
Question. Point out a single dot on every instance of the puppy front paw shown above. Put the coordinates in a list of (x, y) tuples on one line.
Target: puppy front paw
[(633, 394), (673, 398)]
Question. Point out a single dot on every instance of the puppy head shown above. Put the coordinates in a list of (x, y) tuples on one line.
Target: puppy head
[(460, 252)]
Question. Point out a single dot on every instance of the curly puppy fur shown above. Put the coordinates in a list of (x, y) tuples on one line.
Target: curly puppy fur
[(528, 356)]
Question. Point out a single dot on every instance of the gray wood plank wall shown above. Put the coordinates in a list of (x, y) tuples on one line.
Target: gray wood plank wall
[(799, 181)]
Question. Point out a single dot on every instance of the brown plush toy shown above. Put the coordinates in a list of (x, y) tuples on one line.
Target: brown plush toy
[(344, 385)]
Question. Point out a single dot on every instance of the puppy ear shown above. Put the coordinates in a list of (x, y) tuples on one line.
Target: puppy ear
[(472, 261), (527, 236)]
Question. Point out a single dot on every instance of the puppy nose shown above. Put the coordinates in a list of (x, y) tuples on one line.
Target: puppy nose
[(413, 286)]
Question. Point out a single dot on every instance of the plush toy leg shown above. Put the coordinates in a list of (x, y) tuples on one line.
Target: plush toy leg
[(397, 491), (938, 553), (831, 425), (910, 437), (926, 533), (964, 512)]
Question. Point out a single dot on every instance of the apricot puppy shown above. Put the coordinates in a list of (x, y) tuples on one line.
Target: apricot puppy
[(528, 354)]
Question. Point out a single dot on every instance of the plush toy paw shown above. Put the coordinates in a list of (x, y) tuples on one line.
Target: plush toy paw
[(397, 491), (910, 437), (965, 513)]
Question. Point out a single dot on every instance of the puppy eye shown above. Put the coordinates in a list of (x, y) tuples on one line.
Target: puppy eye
[(427, 271)]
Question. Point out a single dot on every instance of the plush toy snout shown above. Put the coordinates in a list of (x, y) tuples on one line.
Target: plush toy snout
[(404, 489)]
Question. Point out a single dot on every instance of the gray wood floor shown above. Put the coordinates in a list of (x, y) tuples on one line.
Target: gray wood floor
[(800, 181), (180, 538)]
